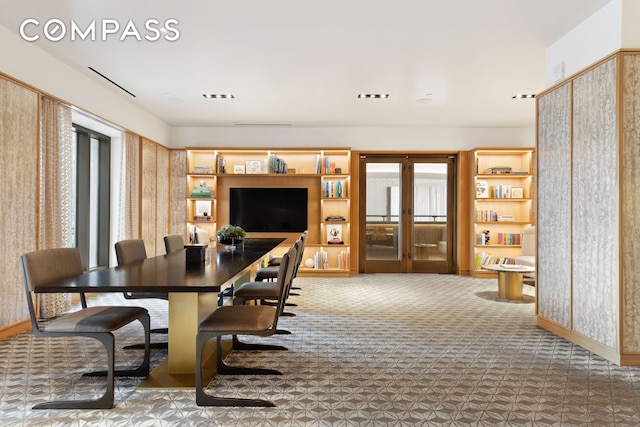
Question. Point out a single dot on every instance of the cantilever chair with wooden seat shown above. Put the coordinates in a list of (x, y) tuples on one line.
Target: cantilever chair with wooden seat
[(133, 250), (51, 265), (234, 320)]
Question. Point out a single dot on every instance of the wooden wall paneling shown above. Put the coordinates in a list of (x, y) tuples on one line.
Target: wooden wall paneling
[(595, 226), (162, 197), (464, 214), (19, 132), (177, 191), (630, 204), (354, 195), (148, 185), (554, 206)]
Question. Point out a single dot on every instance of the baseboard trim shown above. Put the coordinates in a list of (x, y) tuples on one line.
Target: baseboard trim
[(15, 329), (611, 354)]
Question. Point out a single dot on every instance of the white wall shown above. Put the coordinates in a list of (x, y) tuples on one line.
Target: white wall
[(364, 139), (31, 65), (613, 27), (596, 37)]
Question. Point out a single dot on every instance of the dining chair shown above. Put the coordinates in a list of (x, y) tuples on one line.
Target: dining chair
[(51, 265), (234, 320), (267, 274), (173, 243), (270, 272), (133, 250), (266, 293)]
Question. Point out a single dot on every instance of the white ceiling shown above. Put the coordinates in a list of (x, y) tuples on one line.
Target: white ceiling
[(302, 63)]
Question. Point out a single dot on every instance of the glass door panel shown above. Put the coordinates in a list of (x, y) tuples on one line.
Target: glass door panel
[(430, 216), (383, 245)]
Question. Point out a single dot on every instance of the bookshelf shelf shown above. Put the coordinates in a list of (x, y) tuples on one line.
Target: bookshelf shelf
[(507, 193), (325, 173)]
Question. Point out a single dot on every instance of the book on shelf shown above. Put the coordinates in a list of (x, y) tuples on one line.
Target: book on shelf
[(498, 170), (509, 239), (201, 191), (500, 191), (277, 165), (334, 189), (487, 258), (486, 216), (335, 218), (221, 164), (328, 167), (202, 169), (321, 260), (482, 238), (343, 260)]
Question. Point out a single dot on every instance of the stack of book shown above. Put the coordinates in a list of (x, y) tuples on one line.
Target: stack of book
[(203, 170), (498, 169)]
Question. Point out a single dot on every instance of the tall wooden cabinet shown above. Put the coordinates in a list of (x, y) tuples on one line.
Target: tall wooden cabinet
[(501, 205), (325, 173), (588, 279)]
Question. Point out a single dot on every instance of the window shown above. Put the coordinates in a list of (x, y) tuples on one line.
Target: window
[(92, 196)]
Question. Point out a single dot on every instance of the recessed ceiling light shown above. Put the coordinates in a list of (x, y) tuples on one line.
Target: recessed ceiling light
[(218, 96), (523, 95), (373, 95)]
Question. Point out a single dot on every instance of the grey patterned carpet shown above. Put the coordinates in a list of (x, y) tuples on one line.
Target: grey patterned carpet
[(371, 350)]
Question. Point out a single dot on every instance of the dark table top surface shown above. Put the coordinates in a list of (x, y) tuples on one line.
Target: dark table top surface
[(170, 273)]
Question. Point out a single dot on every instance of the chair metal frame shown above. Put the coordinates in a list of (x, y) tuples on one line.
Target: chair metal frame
[(63, 263)]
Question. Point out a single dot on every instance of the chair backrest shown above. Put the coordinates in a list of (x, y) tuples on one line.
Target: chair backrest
[(130, 251), (300, 252), (47, 266), (285, 276), (173, 243), (529, 241)]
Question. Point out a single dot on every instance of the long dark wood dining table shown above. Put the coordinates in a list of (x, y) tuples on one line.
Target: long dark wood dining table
[(193, 290)]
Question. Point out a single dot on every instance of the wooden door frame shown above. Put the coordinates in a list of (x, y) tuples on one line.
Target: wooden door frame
[(455, 180)]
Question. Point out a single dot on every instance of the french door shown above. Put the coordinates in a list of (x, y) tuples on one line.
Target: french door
[(408, 213)]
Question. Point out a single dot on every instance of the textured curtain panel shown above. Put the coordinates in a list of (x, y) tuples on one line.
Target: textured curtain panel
[(56, 190), (130, 181)]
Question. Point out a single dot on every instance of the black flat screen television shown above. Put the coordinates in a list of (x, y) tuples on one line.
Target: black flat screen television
[(269, 209)]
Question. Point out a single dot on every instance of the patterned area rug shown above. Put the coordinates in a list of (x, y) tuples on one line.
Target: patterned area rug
[(370, 350)]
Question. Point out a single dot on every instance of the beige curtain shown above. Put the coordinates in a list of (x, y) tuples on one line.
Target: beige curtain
[(56, 191), (129, 183)]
